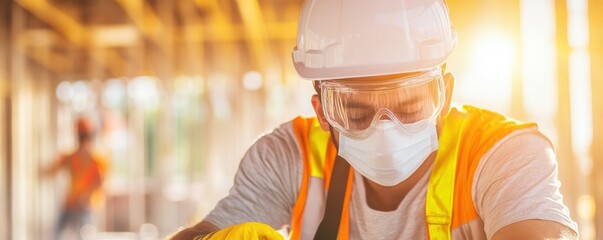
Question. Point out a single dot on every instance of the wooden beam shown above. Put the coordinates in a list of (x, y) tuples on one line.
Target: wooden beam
[(5, 49), (596, 59), (57, 19), (5, 132), (72, 30), (149, 24), (513, 26), (192, 31), (255, 29), (218, 19), (143, 17), (219, 23), (192, 52), (224, 32), (565, 151), (104, 36), (39, 51)]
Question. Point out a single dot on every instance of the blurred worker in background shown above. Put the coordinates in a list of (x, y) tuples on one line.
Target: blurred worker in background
[(87, 170), (421, 167)]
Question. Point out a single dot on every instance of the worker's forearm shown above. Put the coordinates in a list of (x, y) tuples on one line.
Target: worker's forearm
[(200, 229)]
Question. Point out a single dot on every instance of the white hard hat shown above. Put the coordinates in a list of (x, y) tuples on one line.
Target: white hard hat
[(358, 38)]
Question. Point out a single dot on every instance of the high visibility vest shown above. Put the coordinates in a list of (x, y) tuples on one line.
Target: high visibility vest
[(467, 134), (86, 179)]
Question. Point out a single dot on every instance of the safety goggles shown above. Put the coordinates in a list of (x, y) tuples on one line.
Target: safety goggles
[(352, 106)]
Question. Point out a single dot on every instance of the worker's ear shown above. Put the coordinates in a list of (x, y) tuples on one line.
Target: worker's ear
[(319, 113), (449, 85)]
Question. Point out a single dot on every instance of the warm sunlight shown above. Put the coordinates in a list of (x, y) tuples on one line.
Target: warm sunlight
[(493, 56), (172, 106), (488, 79)]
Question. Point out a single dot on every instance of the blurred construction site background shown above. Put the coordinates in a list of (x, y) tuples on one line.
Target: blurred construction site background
[(179, 89)]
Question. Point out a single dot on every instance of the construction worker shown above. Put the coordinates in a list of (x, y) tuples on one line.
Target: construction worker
[(87, 170), (388, 156)]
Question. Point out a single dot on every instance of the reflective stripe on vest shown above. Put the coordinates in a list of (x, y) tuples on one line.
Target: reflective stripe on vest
[(467, 134), (439, 198), (318, 155)]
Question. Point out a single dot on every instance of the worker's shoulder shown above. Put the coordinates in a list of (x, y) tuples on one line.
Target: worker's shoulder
[(101, 158), (515, 154), (527, 141), (481, 127), (277, 148), (483, 132), (282, 135), (480, 115)]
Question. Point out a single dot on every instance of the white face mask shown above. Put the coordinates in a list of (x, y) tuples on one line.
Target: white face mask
[(388, 155)]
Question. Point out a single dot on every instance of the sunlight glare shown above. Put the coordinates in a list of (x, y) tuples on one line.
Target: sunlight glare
[(494, 55)]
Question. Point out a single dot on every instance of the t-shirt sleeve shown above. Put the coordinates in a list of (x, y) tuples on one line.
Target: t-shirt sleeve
[(265, 185), (517, 180)]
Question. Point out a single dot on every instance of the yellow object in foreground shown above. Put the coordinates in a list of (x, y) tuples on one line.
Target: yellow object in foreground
[(247, 231)]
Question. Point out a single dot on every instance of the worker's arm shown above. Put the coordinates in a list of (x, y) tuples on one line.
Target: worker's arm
[(200, 229), (54, 167), (535, 229), (247, 230), (517, 184), (265, 187)]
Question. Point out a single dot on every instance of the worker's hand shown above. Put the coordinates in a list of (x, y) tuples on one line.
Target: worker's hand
[(248, 230)]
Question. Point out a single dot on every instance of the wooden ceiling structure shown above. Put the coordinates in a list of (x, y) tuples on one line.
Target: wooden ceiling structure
[(115, 38)]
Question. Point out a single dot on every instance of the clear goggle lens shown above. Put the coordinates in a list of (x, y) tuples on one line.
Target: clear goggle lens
[(411, 101)]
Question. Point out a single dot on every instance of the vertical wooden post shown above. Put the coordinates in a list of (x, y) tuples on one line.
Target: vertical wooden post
[(19, 133), (564, 149), (5, 43), (513, 18), (596, 58)]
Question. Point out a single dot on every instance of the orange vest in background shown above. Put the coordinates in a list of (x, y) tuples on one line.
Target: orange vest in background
[(86, 176), (467, 134)]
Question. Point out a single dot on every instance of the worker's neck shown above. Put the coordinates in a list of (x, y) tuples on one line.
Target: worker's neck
[(384, 198), (86, 146)]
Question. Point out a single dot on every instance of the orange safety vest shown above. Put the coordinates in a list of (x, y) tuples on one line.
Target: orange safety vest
[(467, 134), (86, 179)]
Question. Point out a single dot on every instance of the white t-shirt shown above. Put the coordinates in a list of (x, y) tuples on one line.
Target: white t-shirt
[(515, 180)]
